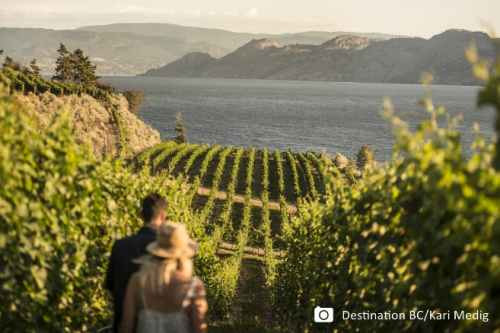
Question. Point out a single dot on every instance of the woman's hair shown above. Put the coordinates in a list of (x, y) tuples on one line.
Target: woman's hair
[(158, 270)]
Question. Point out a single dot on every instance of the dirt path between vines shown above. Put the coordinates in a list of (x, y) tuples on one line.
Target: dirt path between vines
[(251, 310), (221, 195), (248, 249), (112, 139)]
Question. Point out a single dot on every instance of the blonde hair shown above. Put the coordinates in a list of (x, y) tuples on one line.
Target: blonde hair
[(158, 271)]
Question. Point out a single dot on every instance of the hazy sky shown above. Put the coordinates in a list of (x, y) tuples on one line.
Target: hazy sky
[(417, 18)]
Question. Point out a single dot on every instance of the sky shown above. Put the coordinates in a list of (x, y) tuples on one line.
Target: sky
[(424, 18)]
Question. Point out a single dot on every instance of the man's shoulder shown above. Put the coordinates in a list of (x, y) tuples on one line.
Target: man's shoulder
[(128, 239), (137, 237)]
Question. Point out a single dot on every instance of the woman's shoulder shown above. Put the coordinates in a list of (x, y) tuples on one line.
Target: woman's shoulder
[(198, 282), (134, 277), (199, 287), (133, 282)]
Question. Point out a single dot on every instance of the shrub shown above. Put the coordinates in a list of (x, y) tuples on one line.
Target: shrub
[(135, 99), (106, 86), (11, 63)]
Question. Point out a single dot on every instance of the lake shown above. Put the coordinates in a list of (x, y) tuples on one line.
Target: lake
[(301, 115)]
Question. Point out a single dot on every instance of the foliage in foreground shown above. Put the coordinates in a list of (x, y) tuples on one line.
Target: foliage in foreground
[(420, 233), (60, 212)]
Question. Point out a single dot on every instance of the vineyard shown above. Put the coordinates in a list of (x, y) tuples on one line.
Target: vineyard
[(229, 188), (223, 181), (280, 233), (231, 191)]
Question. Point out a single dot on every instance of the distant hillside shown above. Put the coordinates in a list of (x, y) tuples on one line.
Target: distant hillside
[(130, 49), (113, 53), (347, 58), (224, 38)]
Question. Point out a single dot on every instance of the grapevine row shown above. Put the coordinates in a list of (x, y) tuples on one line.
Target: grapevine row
[(177, 158), (165, 172), (205, 213), (266, 223), (281, 183), (26, 83), (233, 264), (318, 164), (168, 151), (224, 217), (281, 178), (310, 178), (291, 161), (204, 166), (143, 159), (197, 153)]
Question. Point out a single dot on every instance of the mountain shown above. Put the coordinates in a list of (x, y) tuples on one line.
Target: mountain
[(224, 38), (347, 58), (114, 53), (129, 49)]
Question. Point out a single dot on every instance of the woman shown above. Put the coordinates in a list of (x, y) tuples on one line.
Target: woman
[(164, 296)]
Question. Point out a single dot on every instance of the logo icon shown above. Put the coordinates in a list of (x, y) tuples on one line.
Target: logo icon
[(323, 315)]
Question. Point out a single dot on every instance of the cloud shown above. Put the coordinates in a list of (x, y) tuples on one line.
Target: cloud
[(240, 20), (252, 12), (13, 11)]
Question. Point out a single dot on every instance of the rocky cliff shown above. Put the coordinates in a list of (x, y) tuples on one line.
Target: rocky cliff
[(347, 58), (92, 121)]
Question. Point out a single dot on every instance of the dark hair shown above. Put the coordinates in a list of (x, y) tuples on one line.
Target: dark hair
[(152, 206)]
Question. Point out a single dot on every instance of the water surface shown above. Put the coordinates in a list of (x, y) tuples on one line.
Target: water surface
[(301, 115)]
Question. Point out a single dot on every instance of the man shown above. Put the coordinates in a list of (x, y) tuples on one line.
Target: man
[(121, 265)]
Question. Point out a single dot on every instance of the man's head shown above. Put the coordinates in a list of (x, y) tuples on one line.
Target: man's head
[(154, 208)]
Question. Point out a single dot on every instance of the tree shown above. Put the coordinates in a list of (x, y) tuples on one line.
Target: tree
[(1, 52), (75, 67), (364, 157), (83, 70), (180, 129), (10, 63), (34, 67), (64, 66), (26, 70)]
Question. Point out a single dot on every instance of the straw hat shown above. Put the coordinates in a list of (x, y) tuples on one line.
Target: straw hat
[(172, 241)]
